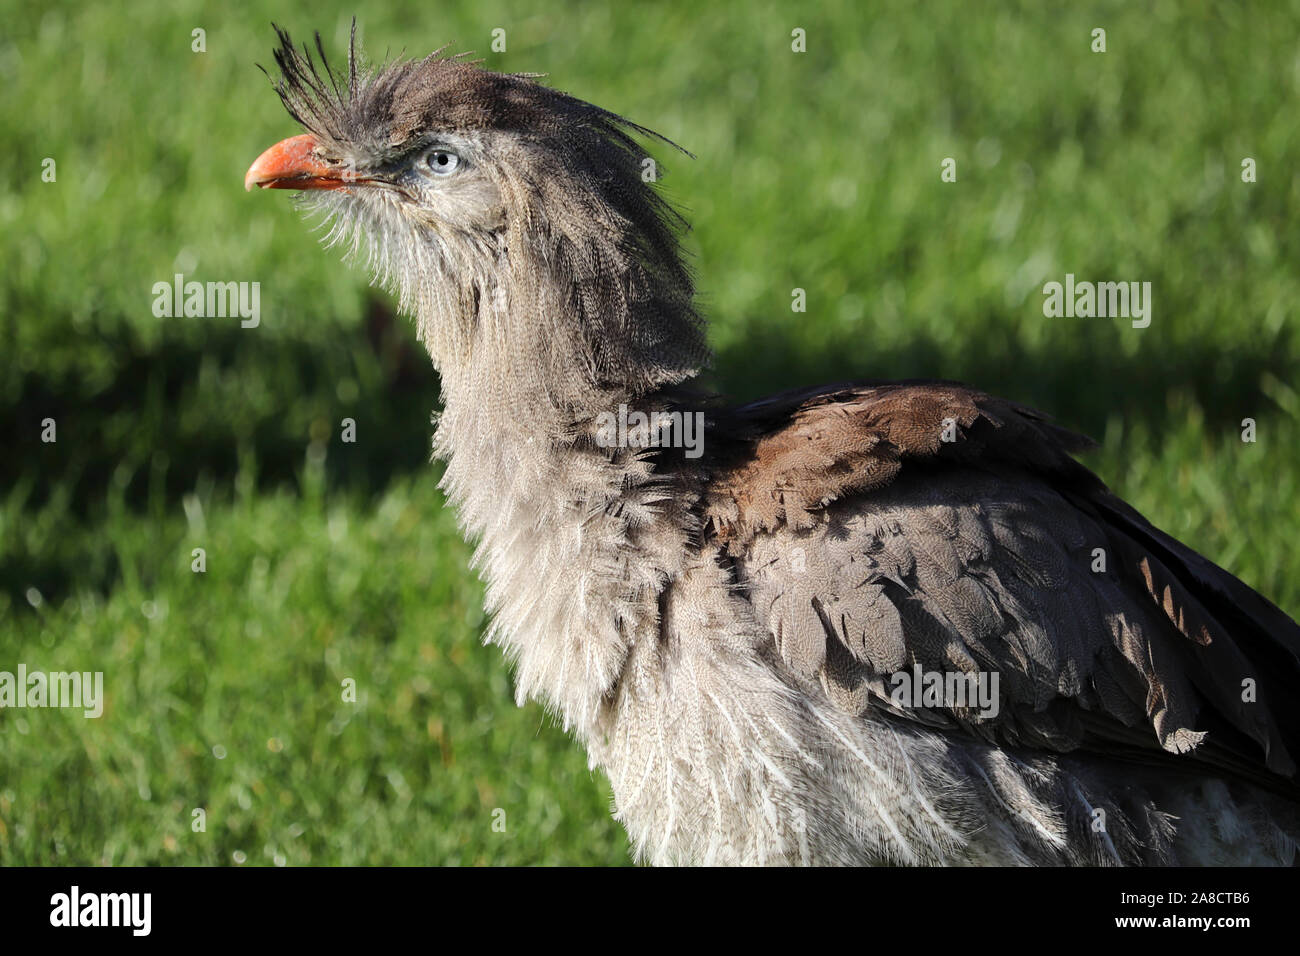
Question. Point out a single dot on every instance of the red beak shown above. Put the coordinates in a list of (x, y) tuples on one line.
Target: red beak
[(293, 164)]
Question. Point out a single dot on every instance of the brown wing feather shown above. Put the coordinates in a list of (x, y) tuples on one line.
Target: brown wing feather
[(870, 544)]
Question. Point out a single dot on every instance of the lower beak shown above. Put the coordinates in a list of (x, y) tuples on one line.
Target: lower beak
[(294, 164)]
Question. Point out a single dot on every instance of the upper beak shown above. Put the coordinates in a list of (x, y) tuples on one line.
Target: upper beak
[(294, 164)]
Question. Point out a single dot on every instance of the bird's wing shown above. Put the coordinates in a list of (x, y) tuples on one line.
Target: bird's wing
[(878, 529)]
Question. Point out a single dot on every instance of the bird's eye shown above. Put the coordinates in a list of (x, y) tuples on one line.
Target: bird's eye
[(442, 162)]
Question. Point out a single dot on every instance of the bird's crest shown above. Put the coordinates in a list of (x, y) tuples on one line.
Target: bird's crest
[(443, 89)]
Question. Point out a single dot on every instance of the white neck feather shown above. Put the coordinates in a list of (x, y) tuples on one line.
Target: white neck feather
[(574, 542)]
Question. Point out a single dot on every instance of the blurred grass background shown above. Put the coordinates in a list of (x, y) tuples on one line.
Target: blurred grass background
[(327, 560)]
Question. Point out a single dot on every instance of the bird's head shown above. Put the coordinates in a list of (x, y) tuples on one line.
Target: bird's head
[(515, 221)]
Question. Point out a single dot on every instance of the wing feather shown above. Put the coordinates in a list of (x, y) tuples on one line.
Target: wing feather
[(871, 544)]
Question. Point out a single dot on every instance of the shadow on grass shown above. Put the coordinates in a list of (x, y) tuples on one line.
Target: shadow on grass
[(193, 412), (1081, 388), (192, 409)]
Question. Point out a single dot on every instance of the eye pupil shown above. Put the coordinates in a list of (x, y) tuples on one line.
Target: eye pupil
[(442, 159)]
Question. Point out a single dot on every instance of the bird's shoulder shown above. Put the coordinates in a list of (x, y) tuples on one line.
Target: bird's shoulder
[(792, 454)]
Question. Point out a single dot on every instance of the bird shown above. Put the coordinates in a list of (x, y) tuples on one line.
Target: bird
[(867, 623)]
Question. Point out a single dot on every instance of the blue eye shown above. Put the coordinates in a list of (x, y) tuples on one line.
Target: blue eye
[(442, 162)]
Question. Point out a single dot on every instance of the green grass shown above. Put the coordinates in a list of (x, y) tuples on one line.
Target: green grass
[(328, 561)]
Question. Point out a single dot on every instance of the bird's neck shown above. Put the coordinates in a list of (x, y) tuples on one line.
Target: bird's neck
[(575, 537), (536, 334)]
